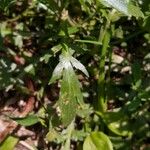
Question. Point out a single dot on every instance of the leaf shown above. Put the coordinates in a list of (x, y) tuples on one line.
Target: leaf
[(45, 58), (71, 30), (133, 105), (52, 135), (136, 74), (41, 6), (9, 143), (125, 7), (85, 110), (27, 121), (30, 69), (56, 48), (90, 42), (120, 143), (4, 30), (57, 73), (78, 65), (120, 5), (52, 5), (117, 122), (68, 96), (70, 93), (97, 141), (79, 135), (66, 61), (135, 11)]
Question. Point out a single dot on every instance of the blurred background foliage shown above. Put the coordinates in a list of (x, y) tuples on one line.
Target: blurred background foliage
[(54, 43)]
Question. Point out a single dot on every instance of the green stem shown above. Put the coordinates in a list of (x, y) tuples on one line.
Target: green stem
[(101, 81), (69, 133)]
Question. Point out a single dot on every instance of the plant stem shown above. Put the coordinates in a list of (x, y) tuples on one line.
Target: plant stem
[(69, 133), (102, 105)]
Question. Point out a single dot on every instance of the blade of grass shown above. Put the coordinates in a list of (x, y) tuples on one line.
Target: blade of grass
[(90, 42)]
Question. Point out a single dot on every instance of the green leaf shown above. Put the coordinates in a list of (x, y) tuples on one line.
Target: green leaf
[(97, 141), (70, 31), (30, 69), (75, 63), (66, 60), (84, 110), (68, 96), (135, 11), (45, 58), (9, 143), (120, 5), (56, 48), (52, 5), (125, 7), (57, 73), (27, 121), (117, 122), (70, 93), (133, 105), (136, 75), (52, 135), (4, 30), (79, 135), (90, 42)]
